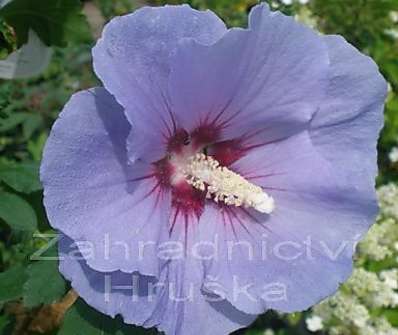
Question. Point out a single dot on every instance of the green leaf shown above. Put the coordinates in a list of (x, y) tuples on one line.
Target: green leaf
[(44, 285), (22, 177), (77, 29), (392, 316), (81, 319), (17, 213), (35, 147), (11, 283), (5, 324), (293, 318), (55, 21), (32, 123), (9, 121), (7, 40), (254, 332)]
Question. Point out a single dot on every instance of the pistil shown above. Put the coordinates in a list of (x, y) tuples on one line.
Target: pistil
[(223, 185)]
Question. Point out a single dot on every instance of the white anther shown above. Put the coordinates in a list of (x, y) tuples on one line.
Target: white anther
[(223, 185)]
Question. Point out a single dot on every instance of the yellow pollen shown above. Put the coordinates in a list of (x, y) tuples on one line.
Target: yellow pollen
[(223, 185)]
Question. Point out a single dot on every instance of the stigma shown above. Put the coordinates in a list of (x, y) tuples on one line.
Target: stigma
[(204, 173)]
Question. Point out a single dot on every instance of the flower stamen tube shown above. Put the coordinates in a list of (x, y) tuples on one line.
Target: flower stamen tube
[(205, 174)]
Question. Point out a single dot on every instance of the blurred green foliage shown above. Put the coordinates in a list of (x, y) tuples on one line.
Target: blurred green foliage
[(29, 107), (234, 13), (369, 25), (8, 41), (55, 22)]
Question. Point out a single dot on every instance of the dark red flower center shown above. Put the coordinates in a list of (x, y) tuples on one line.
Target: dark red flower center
[(186, 200)]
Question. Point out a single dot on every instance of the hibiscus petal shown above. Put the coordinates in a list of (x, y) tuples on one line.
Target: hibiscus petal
[(173, 304), (322, 181), (92, 194), (273, 74), (305, 246), (347, 125), (133, 61)]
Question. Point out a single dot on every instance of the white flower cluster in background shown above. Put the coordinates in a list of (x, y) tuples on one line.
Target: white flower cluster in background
[(289, 2), (314, 323), (375, 290), (388, 200), (394, 16), (393, 155), (355, 309), (269, 332), (379, 243), (350, 310), (304, 15), (381, 240), (394, 34)]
